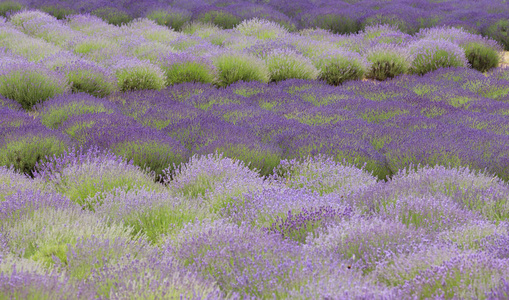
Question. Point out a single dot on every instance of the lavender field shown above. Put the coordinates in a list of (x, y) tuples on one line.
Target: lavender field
[(254, 149)]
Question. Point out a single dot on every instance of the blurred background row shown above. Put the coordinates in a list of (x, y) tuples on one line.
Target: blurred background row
[(489, 18)]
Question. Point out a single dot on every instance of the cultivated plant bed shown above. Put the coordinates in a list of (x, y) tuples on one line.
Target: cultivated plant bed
[(242, 150)]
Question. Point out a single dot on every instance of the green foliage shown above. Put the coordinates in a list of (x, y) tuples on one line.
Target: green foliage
[(173, 20), (158, 221), (92, 83), (140, 78), (286, 65), (377, 116), (262, 161), (56, 116), (24, 152), (220, 18), (112, 15), (499, 31), (200, 29), (46, 254), (152, 155), (386, 65), (89, 46), (188, 71), (86, 184), (338, 24), (9, 7), (337, 69), (58, 11), (78, 131), (431, 60), (481, 57), (30, 87), (235, 67)]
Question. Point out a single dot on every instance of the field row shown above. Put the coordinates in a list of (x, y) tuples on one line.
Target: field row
[(42, 56), (489, 18), (91, 226), (455, 117)]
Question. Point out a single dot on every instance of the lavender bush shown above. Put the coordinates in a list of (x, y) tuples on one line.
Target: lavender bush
[(85, 175), (430, 55), (29, 83), (172, 17), (25, 146), (233, 67)]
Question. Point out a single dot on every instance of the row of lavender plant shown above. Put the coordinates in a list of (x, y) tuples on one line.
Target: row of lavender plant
[(43, 56), (455, 117), (486, 17), (90, 225)]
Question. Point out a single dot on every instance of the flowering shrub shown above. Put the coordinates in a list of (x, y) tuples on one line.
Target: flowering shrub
[(429, 55), (285, 64), (338, 66), (180, 68), (172, 17), (261, 29), (29, 83), (233, 67), (25, 146), (134, 74), (386, 62)]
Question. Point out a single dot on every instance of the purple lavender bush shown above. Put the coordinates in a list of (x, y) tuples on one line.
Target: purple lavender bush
[(150, 214), (471, 275), (366, 242), (11, 119), (29, 83), (242, 260), (148, 148), (55, 111), (13, 181), (233, 67), (482, 53), (154, 275), (323, 175), (41, 225), (171, 16), (52, 285), (23, 147), (80, 127), (214, 177), (429, 55), (86, 175), (83, 75), (184, 67)]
